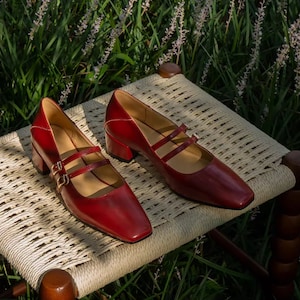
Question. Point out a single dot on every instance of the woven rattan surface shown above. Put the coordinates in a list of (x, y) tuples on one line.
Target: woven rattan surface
[(37, 233)]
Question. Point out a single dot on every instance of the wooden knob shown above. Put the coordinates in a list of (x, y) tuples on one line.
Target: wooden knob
[(168, 70), (292, 160), (57, 285)]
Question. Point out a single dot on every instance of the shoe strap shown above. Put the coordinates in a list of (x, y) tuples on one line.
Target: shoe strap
[(58, 166), (80, 154), (193, 139), (64, 179), (89, 168), (181, 128)]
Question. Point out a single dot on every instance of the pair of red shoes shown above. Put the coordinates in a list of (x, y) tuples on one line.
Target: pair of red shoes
[(92, 189)]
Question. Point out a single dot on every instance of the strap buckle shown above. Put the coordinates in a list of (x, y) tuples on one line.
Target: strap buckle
[(61, 181), (56, 168)]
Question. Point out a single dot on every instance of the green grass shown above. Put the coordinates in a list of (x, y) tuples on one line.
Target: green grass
[(217, 52)]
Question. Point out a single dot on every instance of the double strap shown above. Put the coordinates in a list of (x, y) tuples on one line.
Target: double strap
[(182, 128), (193, 139), (59, 166)]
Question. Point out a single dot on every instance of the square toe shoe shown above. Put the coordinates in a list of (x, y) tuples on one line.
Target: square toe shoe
[(90, 187), (133, 127)]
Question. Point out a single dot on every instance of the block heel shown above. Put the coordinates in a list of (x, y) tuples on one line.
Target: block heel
[(39, 163), (118, 150), (189, 169), (87, 183)]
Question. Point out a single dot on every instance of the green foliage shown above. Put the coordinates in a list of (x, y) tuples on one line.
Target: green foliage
[(270, 99), (216, 58), (31, 68)]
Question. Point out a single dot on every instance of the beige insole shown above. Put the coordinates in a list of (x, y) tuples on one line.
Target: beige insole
[(87, 184), (185, 162)]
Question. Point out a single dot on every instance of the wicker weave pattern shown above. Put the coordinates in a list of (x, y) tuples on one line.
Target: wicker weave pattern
[(37, 233)]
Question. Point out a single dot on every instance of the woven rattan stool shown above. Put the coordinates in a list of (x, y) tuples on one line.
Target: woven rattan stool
[(64, 259)]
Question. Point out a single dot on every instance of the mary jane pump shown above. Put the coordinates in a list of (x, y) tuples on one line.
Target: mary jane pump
[(90, 187), (133, 127)]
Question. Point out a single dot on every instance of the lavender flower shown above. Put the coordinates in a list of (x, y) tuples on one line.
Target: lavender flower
[(201, 16), (127, 80), (90, 43), (156, 274), (292, 42), (254, 213), (205, 71), (178, 273), (294, 34), (241, 5), (38, 22), (176, 45), (29, 3), (231, 9), (283, 8), (83, 25), (198, 248), (146, 5), (65, 93), (173, 24), (257, 36), (282, 55), (114, 34), (4, 2), (127, 11)]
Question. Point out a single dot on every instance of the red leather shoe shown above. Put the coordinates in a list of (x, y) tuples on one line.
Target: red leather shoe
[(92, 190), (132, 127)]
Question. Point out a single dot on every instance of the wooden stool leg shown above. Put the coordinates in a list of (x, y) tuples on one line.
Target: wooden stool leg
[(284, 261), (57, 284), (260, 272), (18, 289)]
